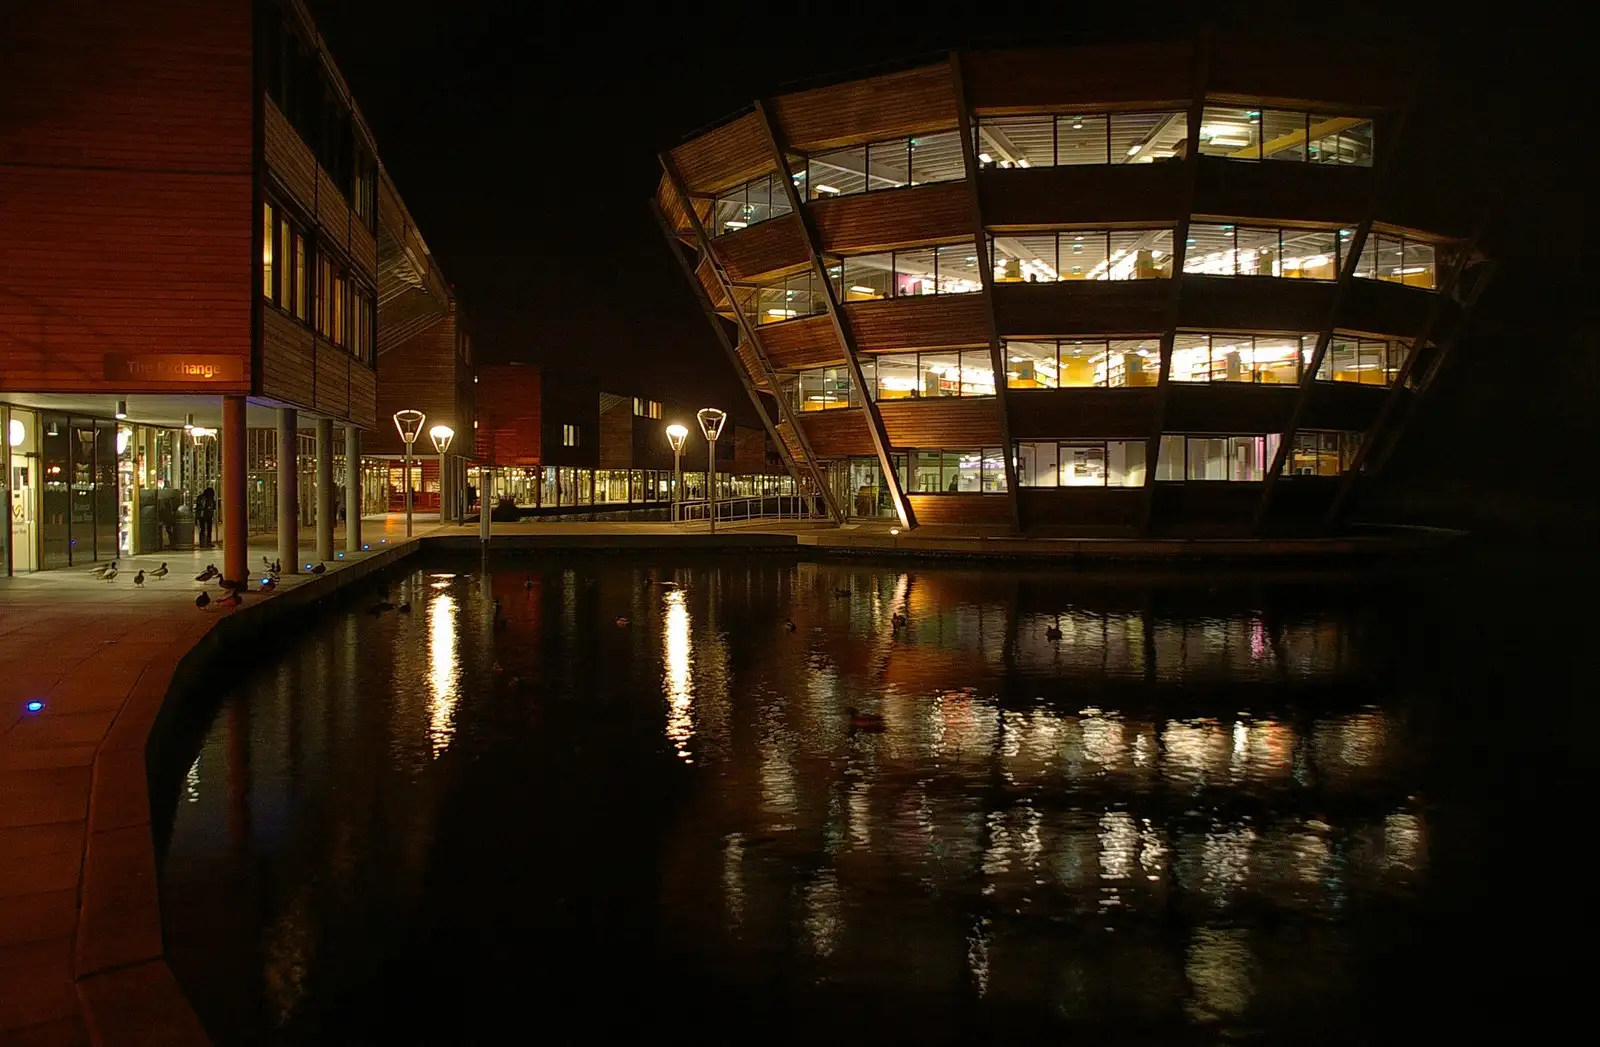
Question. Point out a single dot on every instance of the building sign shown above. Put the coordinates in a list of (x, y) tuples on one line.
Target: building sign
[(175, 367)]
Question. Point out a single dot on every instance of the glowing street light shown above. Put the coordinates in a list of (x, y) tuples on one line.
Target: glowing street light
[(676, 434), (711, 422), (441, 435), (408, 424)]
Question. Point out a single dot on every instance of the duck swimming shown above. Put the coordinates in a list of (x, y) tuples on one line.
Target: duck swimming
[(1052, 633)]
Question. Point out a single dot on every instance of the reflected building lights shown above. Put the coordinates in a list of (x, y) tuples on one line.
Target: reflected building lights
[(444, 672), (679, 678)]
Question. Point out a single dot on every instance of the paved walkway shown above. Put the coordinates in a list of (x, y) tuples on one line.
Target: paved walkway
[(80, 927)]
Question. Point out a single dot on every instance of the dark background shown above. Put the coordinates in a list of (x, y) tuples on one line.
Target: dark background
[(524, 143)]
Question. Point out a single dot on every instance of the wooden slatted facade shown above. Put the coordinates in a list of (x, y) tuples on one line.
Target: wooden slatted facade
[(1017, 202)]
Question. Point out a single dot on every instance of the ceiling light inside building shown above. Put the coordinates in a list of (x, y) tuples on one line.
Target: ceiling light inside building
[(826, 189), (1134, 148), (985, 158), (734, 224), (861, 289)]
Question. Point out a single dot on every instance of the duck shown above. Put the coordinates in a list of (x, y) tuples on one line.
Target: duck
[(203, 600), (138, 579), (321, 568), (622, 623), (899, 620), (861, 721), (233, 599), (232, 587), (160, 572), (1053, 633), (789, 625), (104, 569), (111, 572), (266, 561), (209, 573), (528, 585)]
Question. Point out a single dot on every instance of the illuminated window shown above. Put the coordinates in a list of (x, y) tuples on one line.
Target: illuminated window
[(269, 239), (1363, 361), (1228, 458), (1080, 463), (889, 164), (1399, 259), (1286, 135), (745, 205), (301, 279), (1258, 359), (1076, 139), (1322, 453), (1126, 363), (1242, 250), (1082, 254), (915, 376), (569, 436), (975, 471)]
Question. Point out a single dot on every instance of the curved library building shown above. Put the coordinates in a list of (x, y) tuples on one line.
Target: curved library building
[(1167, 289)]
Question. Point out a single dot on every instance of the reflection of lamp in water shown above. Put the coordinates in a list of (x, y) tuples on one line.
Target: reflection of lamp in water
[(676, 435), (679, 683), (442, 671), (711, 422)]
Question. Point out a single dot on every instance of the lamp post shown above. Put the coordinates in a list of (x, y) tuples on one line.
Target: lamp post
[(711, 422), (409, 424), (441, 435), (676, 434)]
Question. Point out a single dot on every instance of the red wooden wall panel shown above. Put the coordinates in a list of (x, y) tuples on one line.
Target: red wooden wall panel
[(509, 404)]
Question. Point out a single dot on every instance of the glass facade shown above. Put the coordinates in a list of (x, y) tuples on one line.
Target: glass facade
[(1365, 361), (1080, 463), (1205, 456), (821, 389), (1082, 254), (565, 487), (903, 376), (1078, 363), (943, 471), (1398, 259), (745, 205), (890, 164), (943, 269), (1285, 134), (1064, 139), (1246, 250), (1260, 359), (1318, 452)]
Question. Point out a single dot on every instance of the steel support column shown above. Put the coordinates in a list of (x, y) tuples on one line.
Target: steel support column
[(288, 489), (352, 489), (841, 322), (1180, 252), (1383, 167), (1401, 394), (235, 511), (980, 242), (325, 499), (785, 409)]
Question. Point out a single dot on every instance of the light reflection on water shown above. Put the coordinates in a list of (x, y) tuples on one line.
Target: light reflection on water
[(1136, 821)]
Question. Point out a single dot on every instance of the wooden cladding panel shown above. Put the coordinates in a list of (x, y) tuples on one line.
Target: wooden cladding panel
[(616, 434), (706, 273), (421, 373), (126, 211), (765, 248), (332, 393), (961, 508), (1080, 510), (363, 395), (1228, 407), (724, 156), (749, 450), (1082, 307), (945, 422), (809, 342), (288, 158), (786, 434), (1343, 405), (288, 359), (1247, 303), (927, 322), (333, 214), (836, 434), (1226, 190), (510, 399), (921, 214), (1058, 414), (364, 250), (1021, 81), (1261, 70), (1087, 194), (1379, 307), (153, 86), (1204, 508), (752, 365), (916, 100)]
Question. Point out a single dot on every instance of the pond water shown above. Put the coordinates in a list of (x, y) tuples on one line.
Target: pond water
[(639, 808)]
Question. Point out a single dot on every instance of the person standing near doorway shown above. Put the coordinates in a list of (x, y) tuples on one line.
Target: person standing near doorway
[(205, 513)]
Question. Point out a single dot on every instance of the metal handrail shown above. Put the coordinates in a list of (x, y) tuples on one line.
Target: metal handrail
[(755, 507)]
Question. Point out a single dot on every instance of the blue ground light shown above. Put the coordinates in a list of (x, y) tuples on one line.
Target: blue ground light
[(35, 705)]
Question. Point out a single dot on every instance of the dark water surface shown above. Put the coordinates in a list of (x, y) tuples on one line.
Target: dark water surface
[(1273, 812)]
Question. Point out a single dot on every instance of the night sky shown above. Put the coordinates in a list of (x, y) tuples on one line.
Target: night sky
[(525, 146)]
